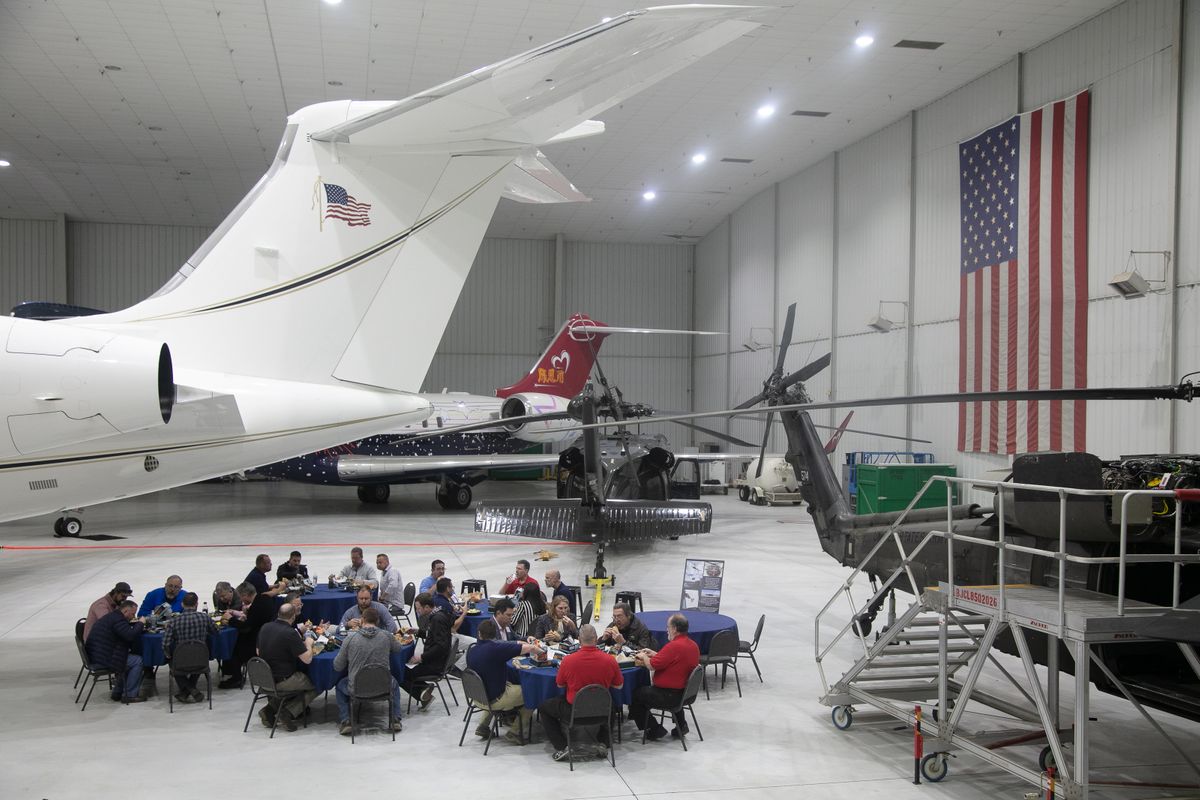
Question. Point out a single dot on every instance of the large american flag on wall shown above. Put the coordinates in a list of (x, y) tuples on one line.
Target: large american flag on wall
[(1023, 293)]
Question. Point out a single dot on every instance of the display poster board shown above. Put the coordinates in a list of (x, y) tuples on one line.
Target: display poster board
[(702, 579)]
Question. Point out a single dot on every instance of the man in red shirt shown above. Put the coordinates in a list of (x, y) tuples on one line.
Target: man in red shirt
[(582, 668), (516, 582), (670, 669)]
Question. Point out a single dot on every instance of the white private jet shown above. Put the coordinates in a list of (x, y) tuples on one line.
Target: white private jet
[(367, 220)]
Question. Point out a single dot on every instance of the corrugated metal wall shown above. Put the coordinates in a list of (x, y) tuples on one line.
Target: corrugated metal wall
[(29, 268), (113, 266), (1127, 57)]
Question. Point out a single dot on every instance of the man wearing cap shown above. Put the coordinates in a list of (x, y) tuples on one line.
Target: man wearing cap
[(106, 605), (171, 593)]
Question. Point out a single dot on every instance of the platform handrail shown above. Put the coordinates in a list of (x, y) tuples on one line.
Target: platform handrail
[(1059, 555)]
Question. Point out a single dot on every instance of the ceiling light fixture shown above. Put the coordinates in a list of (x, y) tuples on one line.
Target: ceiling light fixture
[(649, 195), (4, 163), (699, 158), (154, 128), (765, 111), (333, 2), (866, 40), (334, 83), (112, 68)]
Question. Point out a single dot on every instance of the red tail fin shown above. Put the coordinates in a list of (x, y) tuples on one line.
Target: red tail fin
[(832, 444), (564, 368)]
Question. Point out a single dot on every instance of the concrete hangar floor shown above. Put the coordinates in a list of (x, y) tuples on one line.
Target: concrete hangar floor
[(775, 742)]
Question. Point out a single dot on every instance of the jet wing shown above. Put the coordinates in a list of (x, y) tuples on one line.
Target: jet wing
[(548, 93), (373, 469)]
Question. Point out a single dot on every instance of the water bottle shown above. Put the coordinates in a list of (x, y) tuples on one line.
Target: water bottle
[(206, 608)]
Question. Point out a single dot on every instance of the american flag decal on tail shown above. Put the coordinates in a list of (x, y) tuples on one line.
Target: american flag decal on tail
[(342, 206)]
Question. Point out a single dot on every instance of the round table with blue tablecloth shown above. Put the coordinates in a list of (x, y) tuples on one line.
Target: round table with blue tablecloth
[(470, 623), (324, 677), (702, 626), (539, 684), (220, 647), (325, 604)]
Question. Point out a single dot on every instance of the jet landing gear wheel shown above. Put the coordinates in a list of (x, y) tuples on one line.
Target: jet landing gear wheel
[(935, 766), (68, 526), (843, 717), (454, 497), (375, 493)]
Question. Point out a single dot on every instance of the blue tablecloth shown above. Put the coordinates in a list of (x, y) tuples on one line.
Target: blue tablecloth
[(324, 677), (326, 604), (219, 646), (470, 624), (538, 684), (702, 626)]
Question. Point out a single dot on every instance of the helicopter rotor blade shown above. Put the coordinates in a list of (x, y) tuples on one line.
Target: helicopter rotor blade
[(873, 433), (716, 434), (785, 340), (762, 451), (807, 371)]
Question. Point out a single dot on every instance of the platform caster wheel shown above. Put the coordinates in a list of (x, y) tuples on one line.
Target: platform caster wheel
[(843, 717), (374, 494), (935, 766), (68, 526), (743, 493), (1046, 759)]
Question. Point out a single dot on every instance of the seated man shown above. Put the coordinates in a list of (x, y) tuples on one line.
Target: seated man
[(436, 570), (106, 605), (281, 647), (257, 577), (670, 669), (366, 645), (516, 582), (353, 616), (489, 658), (225, 598), (555, 586), (503, 613), (190, 626), (171, 593), (585, 666), (258, 611), (435, 630), (358, 570), (626, 629), (109, 644), (391, 585), (292, 569)]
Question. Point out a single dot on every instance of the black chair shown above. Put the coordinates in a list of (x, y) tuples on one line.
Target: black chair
[(79, 638), (475, 694), (746, 649), (586, 617), (189, 658), (592, 706), (474, 585), (93, 671), (444, 676), (632, 599), (262, 682), (690, 692), (722, 652), (372, 683), (410, 594)]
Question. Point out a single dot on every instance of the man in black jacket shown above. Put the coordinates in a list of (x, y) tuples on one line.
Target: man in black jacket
[(109, 644), (435, 629), (259, 609)]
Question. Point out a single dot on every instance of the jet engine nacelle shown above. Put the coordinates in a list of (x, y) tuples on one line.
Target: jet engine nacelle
[(60, 384), (529, 404)]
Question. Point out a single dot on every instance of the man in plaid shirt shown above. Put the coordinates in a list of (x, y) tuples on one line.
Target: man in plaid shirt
[(189, 626)]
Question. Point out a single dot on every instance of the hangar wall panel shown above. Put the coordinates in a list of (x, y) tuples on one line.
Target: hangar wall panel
[(871, 365), (873, 226), (709, 379), (940, 127), (113, 266), (752, 271), (711, 301), (27, 268), (806, 255), (1187, 262)]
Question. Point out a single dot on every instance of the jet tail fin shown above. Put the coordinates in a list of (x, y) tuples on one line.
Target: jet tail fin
[(563, 369), (832, 444)]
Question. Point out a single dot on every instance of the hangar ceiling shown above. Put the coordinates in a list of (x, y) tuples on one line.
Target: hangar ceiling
[(168, 111)]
